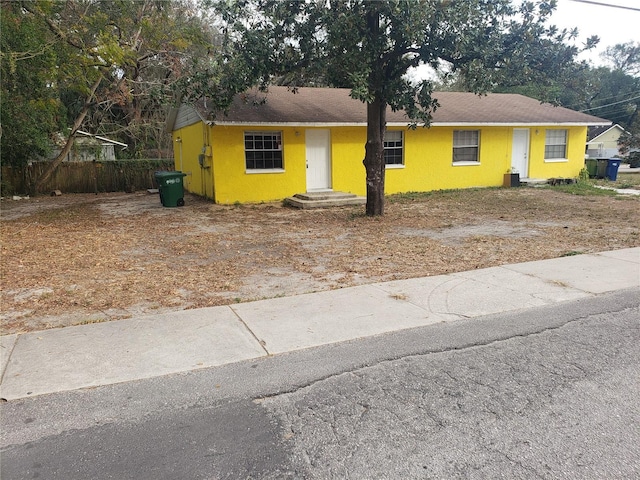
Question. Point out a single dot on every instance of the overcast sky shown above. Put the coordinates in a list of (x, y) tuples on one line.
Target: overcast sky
[(612, 25)]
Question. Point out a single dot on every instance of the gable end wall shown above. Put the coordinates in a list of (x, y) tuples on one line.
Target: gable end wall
[(185, 117)]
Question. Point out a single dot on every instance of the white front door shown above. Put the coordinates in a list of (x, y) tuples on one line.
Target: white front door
[(318, 149), (520, 152)]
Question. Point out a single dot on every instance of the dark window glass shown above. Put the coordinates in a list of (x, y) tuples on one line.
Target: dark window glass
[(263, 150)]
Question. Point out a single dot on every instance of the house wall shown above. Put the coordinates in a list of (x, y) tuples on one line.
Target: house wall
[(427, 165), (232, 181), (429, 161), (567, 168), (605, 145), (192, 140), (347, 153), (85, 152)]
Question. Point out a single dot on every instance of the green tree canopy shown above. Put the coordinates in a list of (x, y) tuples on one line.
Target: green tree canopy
[(611, 92), (624, 57), (101, 65), (623, 105), (30, 109)]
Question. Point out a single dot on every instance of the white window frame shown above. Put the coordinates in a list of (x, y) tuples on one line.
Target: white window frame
[(397, 145), (553, 140), (460, 143), (275, 137)]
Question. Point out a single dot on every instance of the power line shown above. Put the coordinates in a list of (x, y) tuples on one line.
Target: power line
[(623, 109), (610, 104), (591, 2), (600, 99), (577, 105), (621, 116)]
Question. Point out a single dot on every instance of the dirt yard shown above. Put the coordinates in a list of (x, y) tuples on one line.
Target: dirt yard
[(81, 259)]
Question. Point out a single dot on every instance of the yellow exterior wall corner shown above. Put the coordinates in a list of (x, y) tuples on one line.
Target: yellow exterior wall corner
[(539, 167), (187, 145)]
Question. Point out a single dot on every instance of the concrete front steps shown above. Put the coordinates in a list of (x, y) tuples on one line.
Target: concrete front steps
[(536, 182), (533, 182), (324, 199)]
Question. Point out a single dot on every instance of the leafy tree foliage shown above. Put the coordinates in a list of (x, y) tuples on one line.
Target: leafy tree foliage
[(30, 109), (629, 142), (368, 46), (611, 92), (613, 95), (624, 57), (112, 65)]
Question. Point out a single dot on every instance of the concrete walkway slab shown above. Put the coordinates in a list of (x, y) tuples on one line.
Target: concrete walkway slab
[(100, 354), (428, 293), (626, 254), (106, 353), (621, 191), (7, 342), (293, 323), (480, 292), (589, 273)]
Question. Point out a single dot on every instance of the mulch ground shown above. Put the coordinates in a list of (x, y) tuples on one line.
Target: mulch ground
[(89, 258)]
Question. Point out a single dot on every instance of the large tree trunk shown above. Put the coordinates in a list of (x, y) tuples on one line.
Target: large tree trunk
[(374, 156), (53, 164), (376, 123)]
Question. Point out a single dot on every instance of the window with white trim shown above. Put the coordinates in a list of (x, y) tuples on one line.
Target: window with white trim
[(263, 150), (393, 147), (466, 146), (555, 145)]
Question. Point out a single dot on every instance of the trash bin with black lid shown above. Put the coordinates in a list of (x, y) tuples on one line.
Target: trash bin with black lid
[(602, 167), (170, 188), (612, 169)]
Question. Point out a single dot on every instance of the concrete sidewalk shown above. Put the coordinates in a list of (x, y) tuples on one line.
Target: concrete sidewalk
[(105, 353)]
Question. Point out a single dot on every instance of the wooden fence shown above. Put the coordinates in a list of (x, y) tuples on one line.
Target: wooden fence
[(86, 177)]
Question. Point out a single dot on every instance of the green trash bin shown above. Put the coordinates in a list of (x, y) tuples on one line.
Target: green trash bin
[(592, 167), (170, 188)]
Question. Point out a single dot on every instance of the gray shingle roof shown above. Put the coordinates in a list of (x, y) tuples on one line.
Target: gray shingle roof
[(594, 132), (333, 106)]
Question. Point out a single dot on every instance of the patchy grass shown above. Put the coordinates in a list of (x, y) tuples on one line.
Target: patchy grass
[(587, 187), (624, 180), (409, 197), (572, 253), (583, 189)]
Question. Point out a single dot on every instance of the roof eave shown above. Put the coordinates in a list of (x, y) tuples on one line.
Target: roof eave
[(519, 124), (404, 124), (593, 140), (171, 119), (105, 141)]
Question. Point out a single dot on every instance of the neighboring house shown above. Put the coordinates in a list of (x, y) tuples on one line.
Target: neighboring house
[(602, 141), (314, 140), (88, 148)]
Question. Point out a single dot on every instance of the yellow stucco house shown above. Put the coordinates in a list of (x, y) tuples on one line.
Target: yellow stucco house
[(271, 146)]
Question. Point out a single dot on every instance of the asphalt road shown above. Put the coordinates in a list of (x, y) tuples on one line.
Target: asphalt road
[(544, 393)]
